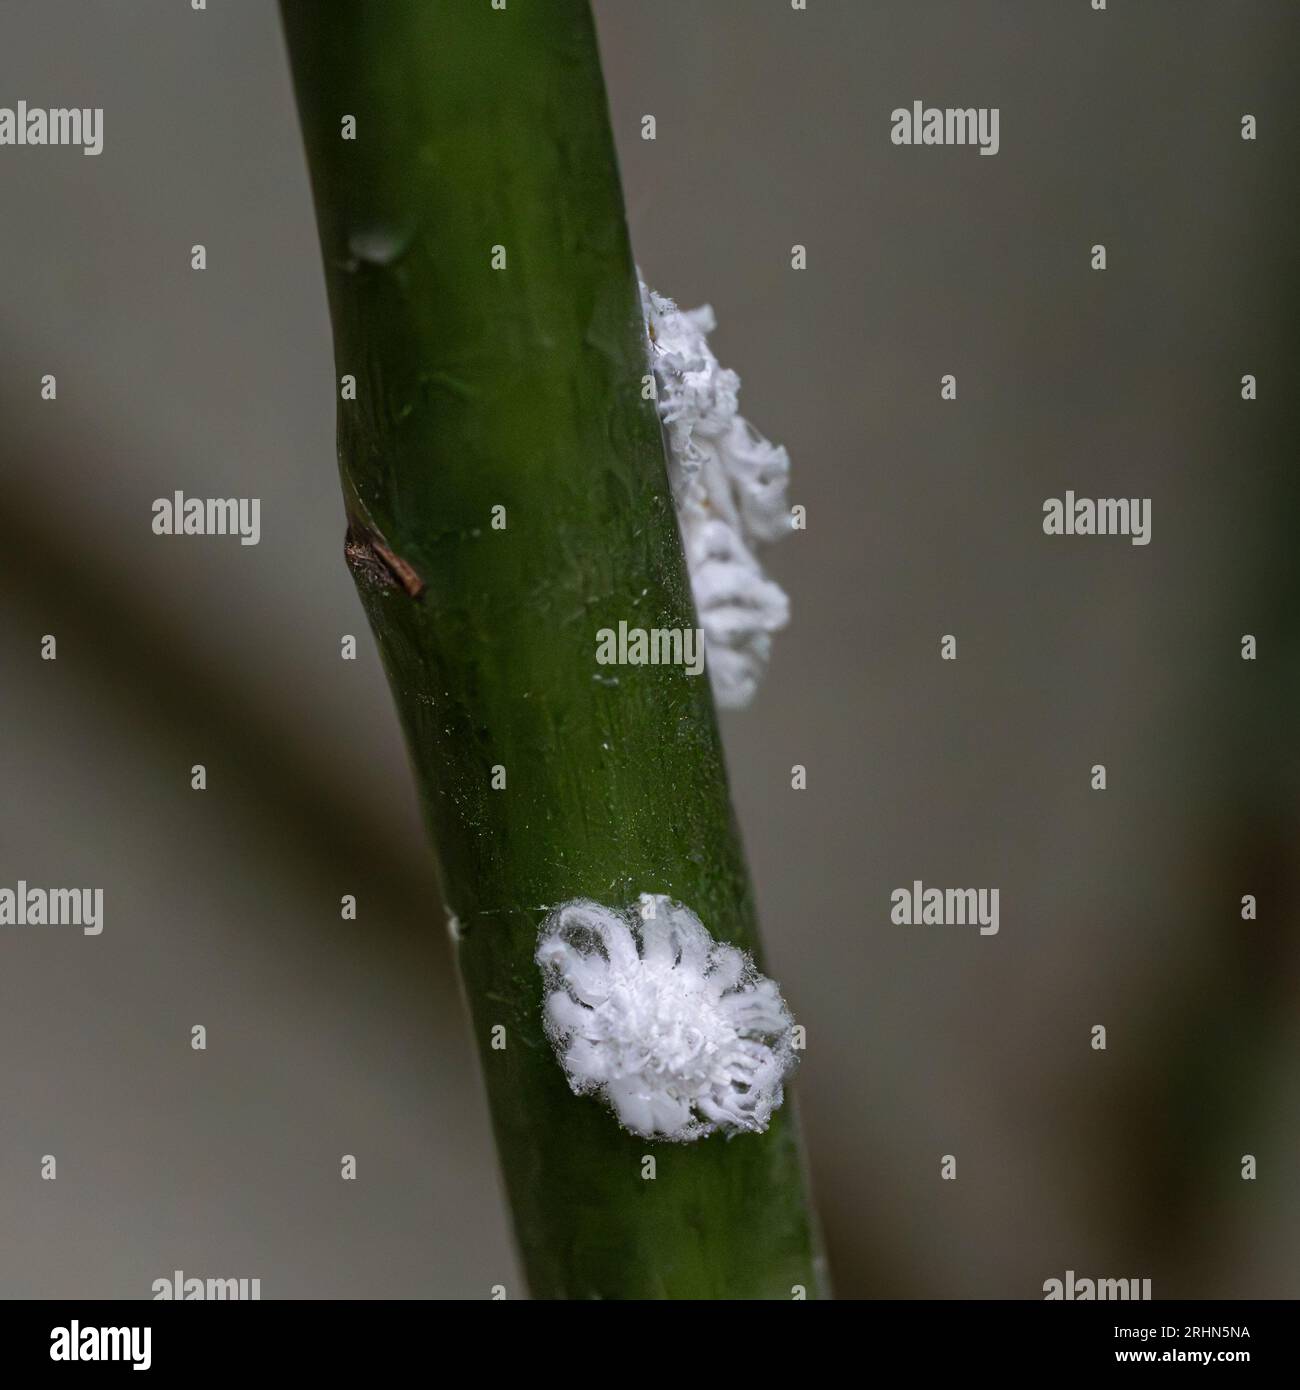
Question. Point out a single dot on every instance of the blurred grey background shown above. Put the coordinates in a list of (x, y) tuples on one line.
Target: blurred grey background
[(1122, 908)]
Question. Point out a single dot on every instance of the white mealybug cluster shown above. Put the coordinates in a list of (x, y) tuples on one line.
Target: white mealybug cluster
[(677, 1032), (729, 484)]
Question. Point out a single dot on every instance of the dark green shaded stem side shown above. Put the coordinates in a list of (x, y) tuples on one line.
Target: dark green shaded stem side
[(521, 387)]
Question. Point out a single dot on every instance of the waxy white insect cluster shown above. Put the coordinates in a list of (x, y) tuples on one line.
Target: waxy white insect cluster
[(729, 486), (678, 1033)]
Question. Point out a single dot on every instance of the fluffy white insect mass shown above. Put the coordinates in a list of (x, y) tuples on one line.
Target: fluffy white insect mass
[(677, 1032), (729, 485)]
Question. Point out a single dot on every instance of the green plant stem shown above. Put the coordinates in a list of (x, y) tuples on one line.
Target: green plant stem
[(521, 388)]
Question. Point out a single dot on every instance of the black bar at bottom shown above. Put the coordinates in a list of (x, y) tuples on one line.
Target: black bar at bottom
[(365, 1337)]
